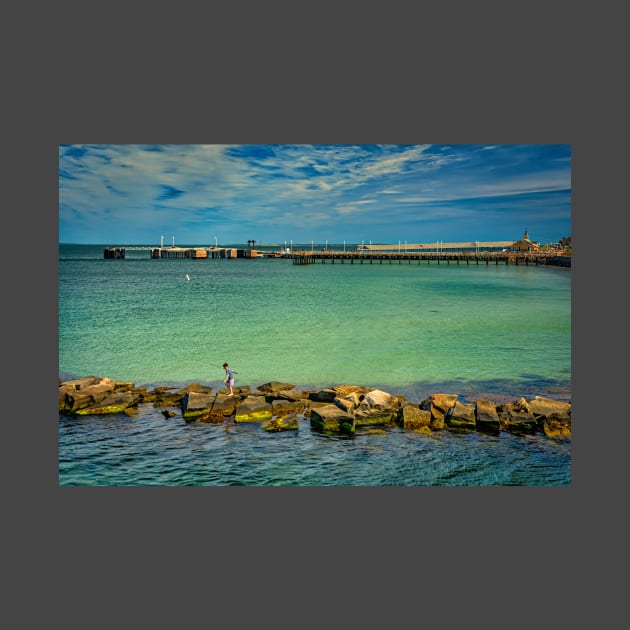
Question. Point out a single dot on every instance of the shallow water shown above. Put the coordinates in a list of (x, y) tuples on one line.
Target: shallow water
[(498, 331)]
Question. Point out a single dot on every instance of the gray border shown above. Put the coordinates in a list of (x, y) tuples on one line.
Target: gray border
[(142, 546)]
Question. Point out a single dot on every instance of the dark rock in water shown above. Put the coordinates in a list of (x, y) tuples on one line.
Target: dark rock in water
[(285, 407), (225, 405), (116, 402), (439, 405), (196, 404), (461, 416), (556, 425), (210, 417), (554, 417), (281, 423), (221, 407), (323, 395), (253, 409), (487, 419), (167, 413), (516, 417), (412, 418), (329, 418), (167, 399)]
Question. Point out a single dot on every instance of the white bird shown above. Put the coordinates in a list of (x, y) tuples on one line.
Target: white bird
[(187, 277)]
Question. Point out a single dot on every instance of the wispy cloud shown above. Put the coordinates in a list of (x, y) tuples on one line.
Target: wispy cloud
[(135, 193)]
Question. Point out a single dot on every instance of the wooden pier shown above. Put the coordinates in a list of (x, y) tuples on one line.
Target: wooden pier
[(195, 253), (114, 252), (466, 258)]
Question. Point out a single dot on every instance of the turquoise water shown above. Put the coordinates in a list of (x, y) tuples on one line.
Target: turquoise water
[(500, 331)]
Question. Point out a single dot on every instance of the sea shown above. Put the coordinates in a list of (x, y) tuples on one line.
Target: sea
[(498, 332)]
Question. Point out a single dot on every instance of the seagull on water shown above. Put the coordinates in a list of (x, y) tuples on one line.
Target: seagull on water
[(187, 277)]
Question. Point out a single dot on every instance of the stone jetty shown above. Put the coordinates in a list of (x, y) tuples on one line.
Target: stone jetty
[(340, 409)]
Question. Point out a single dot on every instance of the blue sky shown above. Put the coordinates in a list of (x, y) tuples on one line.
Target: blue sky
[(201, 194)]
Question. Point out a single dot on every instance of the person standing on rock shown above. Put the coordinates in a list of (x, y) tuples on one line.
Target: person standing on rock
[(229, 379)]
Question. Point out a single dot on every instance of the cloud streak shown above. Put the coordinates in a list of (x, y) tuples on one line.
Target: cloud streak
[(132, 194)]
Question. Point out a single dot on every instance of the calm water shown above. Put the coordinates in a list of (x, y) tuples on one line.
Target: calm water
[(495, 331)]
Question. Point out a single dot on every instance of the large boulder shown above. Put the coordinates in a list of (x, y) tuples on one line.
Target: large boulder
[(281, 423), (195, 404), (461, 416), (556, 425), (166, 397), (274, 386), (344, 390), (541, 406), (439, 405), (322, 395), (347, 403), (553, 416), (378, 399), (331, 419), (78, 384), (283, 407), (83, 393), (377, 407), (487, 419), (413, 418), (253, 409), (117, 402), (222, 407), (516, 417)]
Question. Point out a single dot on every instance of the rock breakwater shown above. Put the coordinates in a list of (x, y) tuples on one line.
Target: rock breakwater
[(343, 409)]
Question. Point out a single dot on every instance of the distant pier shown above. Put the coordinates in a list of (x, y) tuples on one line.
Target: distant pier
[(205, 252), (522, 252), (114, 252), (195, 253), (466, 258)]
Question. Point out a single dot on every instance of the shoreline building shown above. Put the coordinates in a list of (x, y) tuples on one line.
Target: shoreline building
[(525, 245)]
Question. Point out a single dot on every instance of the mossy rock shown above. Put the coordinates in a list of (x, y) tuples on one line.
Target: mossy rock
[(557, 426), (195, 404), (330, 419), (281, 423), (253, 409), (114, 403)]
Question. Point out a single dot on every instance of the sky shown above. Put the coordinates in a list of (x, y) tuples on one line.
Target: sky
[(124, 194)]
